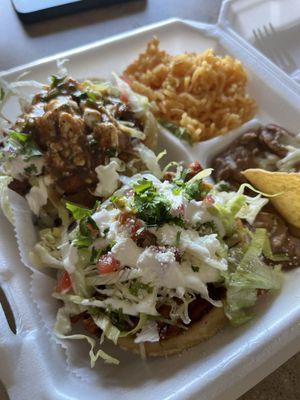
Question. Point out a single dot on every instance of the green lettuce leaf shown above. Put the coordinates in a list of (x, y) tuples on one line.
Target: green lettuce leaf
[(110, 331), (78, 212), (227, 213), (250, 275), (63, 327)]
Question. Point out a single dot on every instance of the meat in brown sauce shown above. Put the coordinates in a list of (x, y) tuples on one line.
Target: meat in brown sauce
[(260, 148), (281, 239), (76, 134)]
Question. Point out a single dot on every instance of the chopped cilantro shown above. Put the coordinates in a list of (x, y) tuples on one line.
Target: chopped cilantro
[(176, 190), (136, 286), (142, 186), (105, 231), (79, 95), (22, 143), (2, 93), (19, 136), (222, 186), (178, 221), (78, 212), (82, 241), (31, 169), (178, 234), (87, 230), (56, 80), (111, 152), (194, 191), (195, 269), (150, 206), (95, 255)]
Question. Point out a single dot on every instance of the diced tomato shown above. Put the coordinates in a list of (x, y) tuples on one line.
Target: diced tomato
[(180, 209), (169, 176), (195, 167), (209, 199), (125, 79), (123, 217), (94, 232), (135, 226), (107, 264), (64, 283), (124, 98)]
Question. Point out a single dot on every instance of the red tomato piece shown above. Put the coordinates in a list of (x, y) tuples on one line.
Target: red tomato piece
[(64, 283), (134, 228), (194, 168), (209, 199), (125, 79), (123, 217), (124, 98), (107, 264)]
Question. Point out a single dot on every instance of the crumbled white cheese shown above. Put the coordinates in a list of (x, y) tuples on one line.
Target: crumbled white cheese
[(178, 202), (145, 305), (149, 333), (126, 252), (160, 269), (38, 195), (108, 178), (16, 167), (70, 257), (106, 219)]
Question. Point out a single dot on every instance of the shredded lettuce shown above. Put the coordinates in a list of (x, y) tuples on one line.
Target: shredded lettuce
[(247, 277), (201, 175), (139, 104), (77, 211), (228, 212), (110, 331), (178, 131), (4, 197), (251, 208), (133, 132), (63, 327), (149, 158)]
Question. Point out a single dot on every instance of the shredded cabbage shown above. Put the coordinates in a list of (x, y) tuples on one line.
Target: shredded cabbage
[(4, 197), (63, 327), (149, 158), (139, 104), (250, 275), (109, 330)]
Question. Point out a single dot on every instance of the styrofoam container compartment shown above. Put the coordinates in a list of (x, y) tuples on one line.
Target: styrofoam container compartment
[(33, 366), (243, 17)]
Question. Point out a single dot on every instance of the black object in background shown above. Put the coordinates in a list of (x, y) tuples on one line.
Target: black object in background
[(37, 10)]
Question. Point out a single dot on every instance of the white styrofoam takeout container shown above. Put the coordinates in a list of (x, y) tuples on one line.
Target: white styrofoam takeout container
[(33, 366)]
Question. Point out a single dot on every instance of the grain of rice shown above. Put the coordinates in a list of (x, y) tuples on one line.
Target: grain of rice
[(201, 92)]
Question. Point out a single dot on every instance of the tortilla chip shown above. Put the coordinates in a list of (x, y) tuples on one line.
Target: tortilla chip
[(287, 184)]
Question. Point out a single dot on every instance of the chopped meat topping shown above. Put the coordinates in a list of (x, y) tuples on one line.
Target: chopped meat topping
[(77, 133)]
